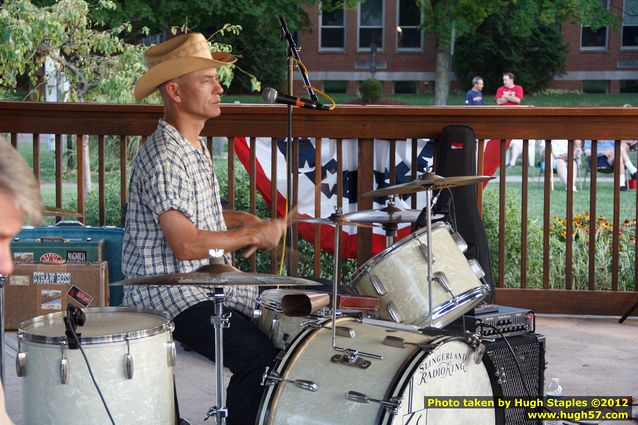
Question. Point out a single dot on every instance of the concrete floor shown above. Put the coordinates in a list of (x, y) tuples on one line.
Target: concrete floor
[(591, 356)]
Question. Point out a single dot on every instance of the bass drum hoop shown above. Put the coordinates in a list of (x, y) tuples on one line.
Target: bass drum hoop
[(167, 324)]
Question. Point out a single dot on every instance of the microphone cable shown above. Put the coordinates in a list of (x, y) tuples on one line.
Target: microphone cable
[(88, 365)]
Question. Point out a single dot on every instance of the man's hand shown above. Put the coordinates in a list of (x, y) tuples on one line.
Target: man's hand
[(268, 233)]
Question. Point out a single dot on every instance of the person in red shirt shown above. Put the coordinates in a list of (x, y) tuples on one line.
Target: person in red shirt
[(509, 93)]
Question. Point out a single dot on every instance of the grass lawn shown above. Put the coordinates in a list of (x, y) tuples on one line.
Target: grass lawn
[(575, 100)]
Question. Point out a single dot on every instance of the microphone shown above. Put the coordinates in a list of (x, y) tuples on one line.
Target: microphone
[(271, 96)]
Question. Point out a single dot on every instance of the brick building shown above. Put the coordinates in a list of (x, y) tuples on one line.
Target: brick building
[(382, 37)]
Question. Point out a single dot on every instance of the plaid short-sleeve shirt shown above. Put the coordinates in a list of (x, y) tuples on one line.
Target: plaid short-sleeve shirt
[(169, 173)]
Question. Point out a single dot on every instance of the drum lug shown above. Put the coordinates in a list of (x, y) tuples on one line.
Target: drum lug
[(64, 367), (21, 364), (393, 312), (64, 371), (443, 281), (476, 268), (351, 357), (459, 241), (256, 315), (392, 405), (172, 353), (424, 252), (129, 367), (376, 285), (273, 378)]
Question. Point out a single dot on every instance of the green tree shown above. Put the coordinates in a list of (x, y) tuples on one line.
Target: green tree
[(450, 20), (534, 54)]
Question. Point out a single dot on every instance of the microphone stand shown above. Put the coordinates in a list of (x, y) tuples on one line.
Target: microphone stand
[(292, 55)]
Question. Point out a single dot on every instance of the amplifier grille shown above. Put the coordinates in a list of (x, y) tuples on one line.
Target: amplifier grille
[(506, 381)]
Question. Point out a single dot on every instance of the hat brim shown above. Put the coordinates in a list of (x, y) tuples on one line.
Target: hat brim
[(173, 68)]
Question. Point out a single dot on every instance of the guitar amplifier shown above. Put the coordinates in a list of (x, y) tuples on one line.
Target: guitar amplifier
[(505, 377)]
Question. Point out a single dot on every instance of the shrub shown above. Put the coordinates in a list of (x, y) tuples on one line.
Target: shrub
[(370, 90)]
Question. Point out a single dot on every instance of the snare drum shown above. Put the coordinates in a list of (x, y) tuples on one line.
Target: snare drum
[(281, 329), (398, 275), (414, 369), (131, 353)]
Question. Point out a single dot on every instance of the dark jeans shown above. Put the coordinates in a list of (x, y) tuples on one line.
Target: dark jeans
[(247, 352)]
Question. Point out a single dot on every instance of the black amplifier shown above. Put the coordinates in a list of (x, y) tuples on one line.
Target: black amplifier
[(510, 321)]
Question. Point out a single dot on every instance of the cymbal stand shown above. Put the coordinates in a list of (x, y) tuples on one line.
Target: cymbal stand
[(428, 226), (390, 233), (219, 320), (351, 356)]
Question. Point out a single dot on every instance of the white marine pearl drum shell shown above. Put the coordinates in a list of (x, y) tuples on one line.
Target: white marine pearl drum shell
[(401, 271), (408, 372), (281, 329), (147, 398)]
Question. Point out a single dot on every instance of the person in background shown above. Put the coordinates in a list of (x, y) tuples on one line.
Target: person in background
[(474, 96), (606, 157), (19, 199), (510, 94), (174, 217), (559, 158)]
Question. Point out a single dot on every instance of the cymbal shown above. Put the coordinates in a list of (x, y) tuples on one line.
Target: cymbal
[(216, 275), (388, 215), (333, 219), (428, 181)]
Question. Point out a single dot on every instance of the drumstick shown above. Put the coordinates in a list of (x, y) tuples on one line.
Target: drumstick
[(250, 251)]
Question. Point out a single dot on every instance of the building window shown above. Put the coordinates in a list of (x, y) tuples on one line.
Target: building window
[(595, 86), (630, 24), (405, 87), (628, 86), (594, 40), (371, 25), (332, 23), (409, 19), (335, 86)]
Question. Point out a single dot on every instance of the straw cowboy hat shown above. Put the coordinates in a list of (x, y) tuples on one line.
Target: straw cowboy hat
[(176, 57)]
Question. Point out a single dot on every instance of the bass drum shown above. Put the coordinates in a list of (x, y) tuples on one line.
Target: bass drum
[(131, 352), (414, 369)]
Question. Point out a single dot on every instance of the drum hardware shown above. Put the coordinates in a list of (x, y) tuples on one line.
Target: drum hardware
[(460, 242), (128, 361), (172, 353), (351, 360), (443, 281), (393, 312), (378, 286), (273, 378), (352, 357), (219, 320), (477, 269), (64, 366), (392, 405)]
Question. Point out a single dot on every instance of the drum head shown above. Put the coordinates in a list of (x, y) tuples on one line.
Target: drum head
[(110, 324)]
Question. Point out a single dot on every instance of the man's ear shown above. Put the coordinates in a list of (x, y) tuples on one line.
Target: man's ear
[(173, 91)]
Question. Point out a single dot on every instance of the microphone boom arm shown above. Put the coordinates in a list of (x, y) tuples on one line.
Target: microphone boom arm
[(294, 50)]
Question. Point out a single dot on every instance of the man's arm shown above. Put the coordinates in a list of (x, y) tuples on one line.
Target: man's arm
[(236, 219), (189, 243)]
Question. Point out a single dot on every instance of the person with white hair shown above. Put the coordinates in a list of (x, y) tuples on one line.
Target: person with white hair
[(19, 199)]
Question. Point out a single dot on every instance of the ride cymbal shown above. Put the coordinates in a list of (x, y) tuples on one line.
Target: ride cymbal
[(428, 181)]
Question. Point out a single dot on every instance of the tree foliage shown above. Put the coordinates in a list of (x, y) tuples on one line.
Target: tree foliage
[(95, 59), (507, 41), (450, 20)]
